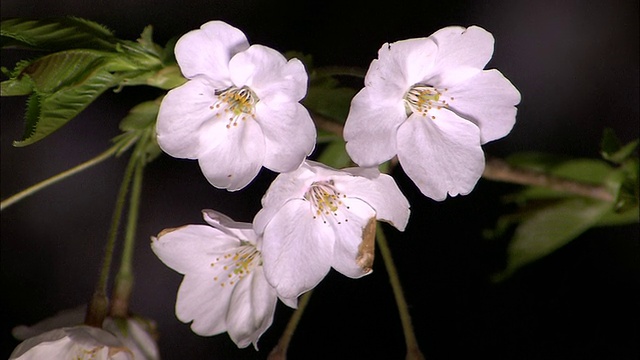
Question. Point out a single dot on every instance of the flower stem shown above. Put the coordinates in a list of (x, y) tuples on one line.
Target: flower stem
[(413, 350), (54, 179), (279, 352), (98, 306), (124, 279)]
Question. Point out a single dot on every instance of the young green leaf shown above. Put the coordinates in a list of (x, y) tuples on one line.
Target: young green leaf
[(612, 149), (551, 228), (52, 72), (56, 34), (326, 98), (335, 155), (52, 111)]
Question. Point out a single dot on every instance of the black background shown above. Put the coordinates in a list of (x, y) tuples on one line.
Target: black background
[(576, 65)]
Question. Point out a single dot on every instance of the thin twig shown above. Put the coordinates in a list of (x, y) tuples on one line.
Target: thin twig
[(499, 170), (279, 352), (413, 350), (54, 179)]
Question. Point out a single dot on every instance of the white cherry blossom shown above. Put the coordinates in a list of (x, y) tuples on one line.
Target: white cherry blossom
[(224, 288), (135, 333), (429, 101), (239, 109), (77, 342), (317, 218)]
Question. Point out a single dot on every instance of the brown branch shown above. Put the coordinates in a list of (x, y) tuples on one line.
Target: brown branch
[(500, 170)]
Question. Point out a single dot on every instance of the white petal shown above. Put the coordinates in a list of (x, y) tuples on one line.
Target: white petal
[(349, 237), (183, 111), (441, 156), (235, 156), (135, 336), (297, 249), (238, 230), (207, 51), (71, 343), (370, 128), (285, 187), (204, 301), (268, 73), (64, 318), (488, 99), (462, 53), (253, 304), (382, 194), (414, 60), (289, 134), (191, 248)]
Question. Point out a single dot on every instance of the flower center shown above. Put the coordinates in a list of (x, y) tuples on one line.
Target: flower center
[(235, 104), (326, 200), (422, 98), (238, 264)]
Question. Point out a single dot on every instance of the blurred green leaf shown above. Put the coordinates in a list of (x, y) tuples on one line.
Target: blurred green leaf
[(613, 150), (551, 228), (327, 98), (335, 155), (139, 127), (592, 171), (56, 34), (141, 116)]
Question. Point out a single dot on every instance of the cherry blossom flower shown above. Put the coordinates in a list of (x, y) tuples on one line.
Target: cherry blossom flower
[(224, 288), (135, 333), (429, 101), (239, 109), (77, 342), (316, 218)]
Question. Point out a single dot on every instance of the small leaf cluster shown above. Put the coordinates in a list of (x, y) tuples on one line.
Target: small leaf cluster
[(78, 60), (546, 220)]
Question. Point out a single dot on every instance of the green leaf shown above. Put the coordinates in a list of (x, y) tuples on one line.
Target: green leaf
[(52, 111), (56, 34), (326, 98), (16, 87), (612, 149), (551, 228), (592, 171), (52, 72), (141, 116), (139, 127), (617, 218), (335, 155)]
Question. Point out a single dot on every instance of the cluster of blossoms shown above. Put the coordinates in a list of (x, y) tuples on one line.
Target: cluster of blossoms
[(428, 100)]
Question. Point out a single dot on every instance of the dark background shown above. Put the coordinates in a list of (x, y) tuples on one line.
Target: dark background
[(576, 65)]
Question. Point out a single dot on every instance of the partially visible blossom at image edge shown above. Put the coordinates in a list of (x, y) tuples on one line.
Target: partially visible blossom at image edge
[(429, 101), (134, 333), (239, 109), (224, 288), (315, 218), (77, 342)]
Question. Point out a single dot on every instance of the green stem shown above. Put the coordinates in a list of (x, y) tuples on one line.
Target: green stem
[(413, 350), (98, 306), (279, 352), (124, 279), (52, 180)]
